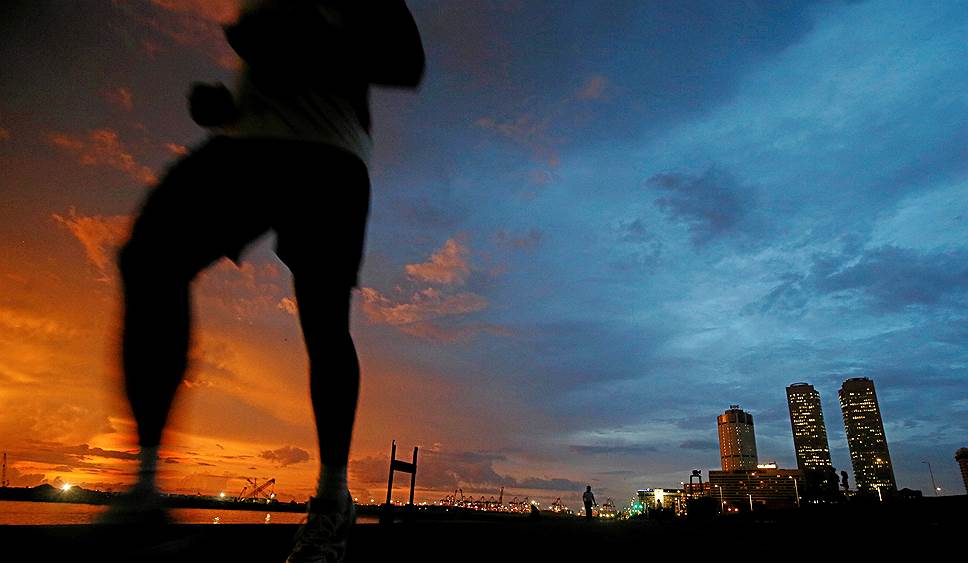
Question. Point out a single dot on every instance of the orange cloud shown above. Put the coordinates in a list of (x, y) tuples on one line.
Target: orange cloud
[(247, 291), (594, 89), (27, 322), (4, 134), (102, 147), (417, 313), (120, 97), (527, 132), (218, 11), (100, 236), (288, 305), (196, 24), (446, 266), (176, 149), (424, 305), (18, 479), (528, 241), (33, 413)]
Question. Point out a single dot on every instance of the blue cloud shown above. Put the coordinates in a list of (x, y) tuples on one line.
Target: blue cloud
[(884, 280), (711, 205)]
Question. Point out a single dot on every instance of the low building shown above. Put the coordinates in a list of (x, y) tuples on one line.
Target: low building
[(761, 488), (660, 499)]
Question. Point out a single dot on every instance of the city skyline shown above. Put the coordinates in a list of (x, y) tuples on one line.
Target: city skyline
[(738, 454), (593, 229)]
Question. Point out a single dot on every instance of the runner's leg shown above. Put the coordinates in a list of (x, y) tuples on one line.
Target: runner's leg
[(198, 213), (321, 241), (334, 378)]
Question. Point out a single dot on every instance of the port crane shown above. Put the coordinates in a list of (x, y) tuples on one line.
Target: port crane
[(558, 506), (257, 490)]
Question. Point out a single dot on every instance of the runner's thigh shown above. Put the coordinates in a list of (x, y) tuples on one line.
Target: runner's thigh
[(322, 228), (204, 208)]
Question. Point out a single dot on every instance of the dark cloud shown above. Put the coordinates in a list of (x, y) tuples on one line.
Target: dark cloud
[(447, 471), (885, 279), (525, 241), (636, 231), (18, 479), (286, 455), (894, 278), (426, 211), (634, 449), (699, 445), (641, 248), (696, 421), (711, 205), (80, 456), (545, 484), (618, 473), (83, 451)]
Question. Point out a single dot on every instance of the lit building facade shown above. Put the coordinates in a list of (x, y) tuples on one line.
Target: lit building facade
[(869, 456), (737, 441), (809, 431), (763, 488), (961, 456), (653, 499)]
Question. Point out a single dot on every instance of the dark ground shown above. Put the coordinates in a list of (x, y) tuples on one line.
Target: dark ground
[(931, 528)]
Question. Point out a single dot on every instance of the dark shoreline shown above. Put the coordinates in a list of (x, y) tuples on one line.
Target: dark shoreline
[(77, 495), (47, 494), (929, 526)]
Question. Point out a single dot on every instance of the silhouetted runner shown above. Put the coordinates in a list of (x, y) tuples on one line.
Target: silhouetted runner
[(289, 154), (588, 498)]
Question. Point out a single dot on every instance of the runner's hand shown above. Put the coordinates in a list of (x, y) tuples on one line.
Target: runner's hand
[(211, 105)]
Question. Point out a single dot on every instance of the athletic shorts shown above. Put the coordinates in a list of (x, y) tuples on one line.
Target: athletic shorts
[(228, 192)]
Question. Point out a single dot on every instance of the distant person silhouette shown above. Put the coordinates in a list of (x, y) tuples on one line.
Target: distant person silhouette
[(589, 499), (288, 153)]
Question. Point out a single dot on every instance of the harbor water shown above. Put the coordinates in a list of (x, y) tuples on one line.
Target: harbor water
[(55, 513)]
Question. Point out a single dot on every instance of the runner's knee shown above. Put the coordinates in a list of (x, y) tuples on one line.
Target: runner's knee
[(141, 263)]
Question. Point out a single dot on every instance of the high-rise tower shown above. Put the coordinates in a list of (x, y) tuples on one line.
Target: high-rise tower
[(961, 456), (809, 432), (869, 455), (737, 442)]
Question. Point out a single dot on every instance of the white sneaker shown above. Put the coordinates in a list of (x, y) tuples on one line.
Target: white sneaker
[(322, 539)]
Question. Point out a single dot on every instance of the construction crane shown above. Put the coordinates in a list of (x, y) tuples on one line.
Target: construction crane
[(252, 481), (257, 490)]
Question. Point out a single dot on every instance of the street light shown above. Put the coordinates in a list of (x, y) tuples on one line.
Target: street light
[(934, 485)]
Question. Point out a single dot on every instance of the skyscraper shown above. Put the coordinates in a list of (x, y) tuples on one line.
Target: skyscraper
[(809, 432), (737, 442), (869, 455), (961, 456)]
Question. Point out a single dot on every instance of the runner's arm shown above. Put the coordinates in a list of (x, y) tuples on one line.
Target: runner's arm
[(392, 50)]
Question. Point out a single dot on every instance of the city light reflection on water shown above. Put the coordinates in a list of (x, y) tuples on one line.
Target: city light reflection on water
[(48, 513)]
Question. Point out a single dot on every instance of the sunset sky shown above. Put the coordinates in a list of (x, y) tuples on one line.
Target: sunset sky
[(594, 227)]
